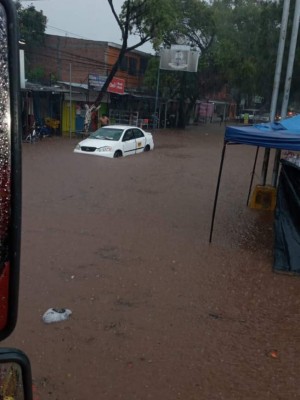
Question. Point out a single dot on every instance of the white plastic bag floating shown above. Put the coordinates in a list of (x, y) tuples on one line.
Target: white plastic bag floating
[(56, 315)]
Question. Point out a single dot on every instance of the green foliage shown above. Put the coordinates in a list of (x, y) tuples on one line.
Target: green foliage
[(150, 78), (149, 19), (163, 21), (194, 26), (245, 46), (32, 24), (169, 81), (238, 40), (36, 75)]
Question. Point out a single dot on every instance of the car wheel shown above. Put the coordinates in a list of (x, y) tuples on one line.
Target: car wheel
[(147, 148), (118, 154)]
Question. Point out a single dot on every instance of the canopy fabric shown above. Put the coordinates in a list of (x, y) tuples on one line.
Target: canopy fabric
[(292, 123), (284, 135)]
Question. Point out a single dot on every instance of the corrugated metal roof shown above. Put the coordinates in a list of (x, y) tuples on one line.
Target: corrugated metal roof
[(37, 87)]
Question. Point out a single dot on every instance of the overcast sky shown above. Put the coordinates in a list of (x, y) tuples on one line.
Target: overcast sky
[(87, 19)]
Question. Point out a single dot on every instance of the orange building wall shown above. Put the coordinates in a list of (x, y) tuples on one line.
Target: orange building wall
[(131, 81), (65, 58), (62, 55)]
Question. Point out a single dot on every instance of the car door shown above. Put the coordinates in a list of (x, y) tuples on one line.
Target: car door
[(140, 140), (128, 142)]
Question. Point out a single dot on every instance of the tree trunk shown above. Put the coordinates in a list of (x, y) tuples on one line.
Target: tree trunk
[(110, 76)]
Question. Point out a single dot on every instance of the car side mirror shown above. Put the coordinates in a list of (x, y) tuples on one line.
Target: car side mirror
[(15, 375), (10, 168), (15, 371)]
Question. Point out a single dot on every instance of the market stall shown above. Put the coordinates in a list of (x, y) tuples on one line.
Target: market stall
[(285, 136)]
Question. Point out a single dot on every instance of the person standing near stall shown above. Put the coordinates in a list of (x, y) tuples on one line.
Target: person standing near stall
[(88, 116), (104, 120), (94, 120)]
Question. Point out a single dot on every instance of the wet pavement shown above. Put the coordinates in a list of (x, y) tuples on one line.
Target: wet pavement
[(157, 311)]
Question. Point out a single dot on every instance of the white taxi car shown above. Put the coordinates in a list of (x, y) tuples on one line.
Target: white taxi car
[(116, 141)]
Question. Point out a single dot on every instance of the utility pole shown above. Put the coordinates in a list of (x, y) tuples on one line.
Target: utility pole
[(70, 103), (156, 113), (280, 52), (288, 81)]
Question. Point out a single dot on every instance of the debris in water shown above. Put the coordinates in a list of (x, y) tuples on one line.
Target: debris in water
[(215, 316), (56, 315), (273, 354)]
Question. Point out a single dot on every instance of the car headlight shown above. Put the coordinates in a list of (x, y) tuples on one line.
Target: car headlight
[(105, 148), (78, 147)]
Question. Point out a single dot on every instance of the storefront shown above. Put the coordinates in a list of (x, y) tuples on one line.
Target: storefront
[(76, 97), (41, 106)]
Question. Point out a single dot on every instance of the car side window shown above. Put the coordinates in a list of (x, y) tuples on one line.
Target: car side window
[(128, 135), (138, 133)]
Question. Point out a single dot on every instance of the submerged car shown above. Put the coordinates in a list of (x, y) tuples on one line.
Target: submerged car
[(116, 141)]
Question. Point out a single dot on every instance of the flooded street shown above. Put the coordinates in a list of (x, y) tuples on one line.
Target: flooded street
[(157, 311)]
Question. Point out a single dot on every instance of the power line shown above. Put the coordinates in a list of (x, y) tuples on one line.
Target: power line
[(66, 32), (82, 65), (71, 57)]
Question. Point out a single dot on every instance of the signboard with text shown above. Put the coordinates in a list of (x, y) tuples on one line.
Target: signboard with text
[(206, 109), (179, 58), (96, 82), (117, 85)]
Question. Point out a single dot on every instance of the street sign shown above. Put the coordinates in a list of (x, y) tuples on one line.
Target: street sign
[(179, 58)]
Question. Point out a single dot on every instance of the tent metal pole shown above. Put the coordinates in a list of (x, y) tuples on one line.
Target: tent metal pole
[(252, 175), (276, 168), (265, 167), (217, 192)]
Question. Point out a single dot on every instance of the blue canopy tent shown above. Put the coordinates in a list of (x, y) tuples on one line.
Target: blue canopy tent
[(273, 136), (283, 135)]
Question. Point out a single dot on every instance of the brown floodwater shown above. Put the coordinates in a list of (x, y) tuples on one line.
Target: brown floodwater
[(157, 311)]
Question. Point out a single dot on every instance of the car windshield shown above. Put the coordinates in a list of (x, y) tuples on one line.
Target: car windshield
[(107, 134)]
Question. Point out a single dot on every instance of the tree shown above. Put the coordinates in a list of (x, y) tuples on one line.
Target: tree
[(146, 20), (198, 30), (32, 24), (245, 45), (194, 27)]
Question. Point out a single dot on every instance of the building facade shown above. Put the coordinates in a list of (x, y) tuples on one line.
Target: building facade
[(68, 63)]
